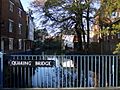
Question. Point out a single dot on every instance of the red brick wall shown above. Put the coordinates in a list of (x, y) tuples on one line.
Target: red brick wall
[(6, 15)]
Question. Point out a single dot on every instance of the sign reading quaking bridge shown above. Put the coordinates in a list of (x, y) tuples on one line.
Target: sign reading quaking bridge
[(32, 63)]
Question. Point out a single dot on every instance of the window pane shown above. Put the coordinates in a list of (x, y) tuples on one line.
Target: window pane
[(20, 28), (11, 6), (10, 43), (20, 12), (20, 43), (10, 25)]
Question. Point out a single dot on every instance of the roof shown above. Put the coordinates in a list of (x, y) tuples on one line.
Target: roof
[(20, 4)]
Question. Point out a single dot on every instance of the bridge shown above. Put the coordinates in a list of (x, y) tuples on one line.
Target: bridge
[(59, 72)]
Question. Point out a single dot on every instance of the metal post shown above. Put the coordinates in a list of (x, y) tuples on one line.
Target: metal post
[(1, 70)]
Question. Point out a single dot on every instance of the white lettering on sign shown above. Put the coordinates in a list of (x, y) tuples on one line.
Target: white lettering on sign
[(32, 63), (42, 63), (15, 63)]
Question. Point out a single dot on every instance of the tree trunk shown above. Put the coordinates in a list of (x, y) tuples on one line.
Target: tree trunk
[(88, 31), (79, 36)]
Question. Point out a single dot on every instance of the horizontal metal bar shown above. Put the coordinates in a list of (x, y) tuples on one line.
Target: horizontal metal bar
[(88, 88)]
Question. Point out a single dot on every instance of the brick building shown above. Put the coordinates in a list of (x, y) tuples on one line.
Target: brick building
[(30, 30), (14, 26)]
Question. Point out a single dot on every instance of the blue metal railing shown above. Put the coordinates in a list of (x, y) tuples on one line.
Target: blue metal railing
[(69, 71)]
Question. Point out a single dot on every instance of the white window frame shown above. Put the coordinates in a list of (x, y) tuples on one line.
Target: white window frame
[(11, 25), (20, 12), (20, 28), (10, 43), (11, 6), (20, 44)]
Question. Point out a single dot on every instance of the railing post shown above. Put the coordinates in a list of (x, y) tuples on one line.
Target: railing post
[(1, 70)]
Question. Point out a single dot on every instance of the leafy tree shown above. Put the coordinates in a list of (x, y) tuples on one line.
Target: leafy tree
[(108, 25), (66, 15), (40, 35), (40, 32), (112, 27), (104, 13), (117, 50), (90, 9)]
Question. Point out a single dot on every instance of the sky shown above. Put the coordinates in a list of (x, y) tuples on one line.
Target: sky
[(25, 4)]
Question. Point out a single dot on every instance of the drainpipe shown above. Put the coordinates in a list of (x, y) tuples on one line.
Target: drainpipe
[(1, 54), (0, 20)]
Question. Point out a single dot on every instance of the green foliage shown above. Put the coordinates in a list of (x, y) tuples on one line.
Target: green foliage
[(106, 10), (53, 3), (38, 44), (52, 44), (117, 50), (108, 6), (116, 27), (64, 13), (110, 30), (68, 15)]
